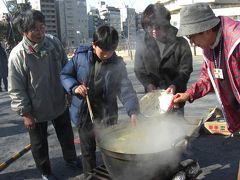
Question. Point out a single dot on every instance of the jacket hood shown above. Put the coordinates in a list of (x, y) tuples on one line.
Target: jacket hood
[(83, 48)]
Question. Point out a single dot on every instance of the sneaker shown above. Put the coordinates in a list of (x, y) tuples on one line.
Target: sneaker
[(76, 164), (48, 177)]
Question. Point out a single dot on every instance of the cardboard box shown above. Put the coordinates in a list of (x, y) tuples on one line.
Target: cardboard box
[(217, 127), (215, 122)]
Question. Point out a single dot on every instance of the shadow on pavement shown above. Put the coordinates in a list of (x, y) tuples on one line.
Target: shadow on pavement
[(12, 128), (217, 155), (7, 102), (20, 175), (59, 169)]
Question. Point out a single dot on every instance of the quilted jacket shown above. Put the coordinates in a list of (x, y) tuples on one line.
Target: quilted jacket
[(116, 84)]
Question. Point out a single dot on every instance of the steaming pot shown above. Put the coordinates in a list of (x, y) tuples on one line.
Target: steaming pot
[(138, 164)]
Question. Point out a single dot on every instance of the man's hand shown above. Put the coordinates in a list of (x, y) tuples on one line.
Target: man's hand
[(29, 122), (81, 90), (151, 88), (180, 97), (171, 89)]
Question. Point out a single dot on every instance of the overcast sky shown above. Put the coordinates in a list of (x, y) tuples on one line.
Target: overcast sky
[(138, 5)]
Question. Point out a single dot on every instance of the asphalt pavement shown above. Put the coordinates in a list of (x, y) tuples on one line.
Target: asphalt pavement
[(218, 156)]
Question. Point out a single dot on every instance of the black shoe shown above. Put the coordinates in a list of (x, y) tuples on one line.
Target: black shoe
[(75, 164), (49, 177)]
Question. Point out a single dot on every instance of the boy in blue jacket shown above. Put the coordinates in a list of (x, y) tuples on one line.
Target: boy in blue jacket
[(98, 72)]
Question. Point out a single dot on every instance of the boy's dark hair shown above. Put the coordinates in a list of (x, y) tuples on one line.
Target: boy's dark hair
[(25, 21), (155, 15), (106, 38)]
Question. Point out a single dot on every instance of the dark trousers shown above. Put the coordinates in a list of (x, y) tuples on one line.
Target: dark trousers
[(87, 132), (88, 146), (39, 142), (5, 82)]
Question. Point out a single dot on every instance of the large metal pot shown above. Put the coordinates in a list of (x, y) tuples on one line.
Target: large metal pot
[(138, 165)]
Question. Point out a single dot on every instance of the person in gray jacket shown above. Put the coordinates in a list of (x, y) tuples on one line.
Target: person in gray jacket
[(162, 60), (36, 91)]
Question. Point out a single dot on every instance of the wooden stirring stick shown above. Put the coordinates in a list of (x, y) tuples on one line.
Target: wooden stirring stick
[(89, 108)]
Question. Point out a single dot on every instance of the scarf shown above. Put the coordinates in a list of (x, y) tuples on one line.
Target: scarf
[(34, 48)]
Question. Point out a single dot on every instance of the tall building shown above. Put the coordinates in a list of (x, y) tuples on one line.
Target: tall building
[(48, 8), (129, 23), (111, 16), (94, 21), (73, 22), (138, 22)]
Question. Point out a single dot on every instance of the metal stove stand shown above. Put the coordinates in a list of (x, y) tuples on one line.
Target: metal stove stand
[(99, 173), (188, 170)]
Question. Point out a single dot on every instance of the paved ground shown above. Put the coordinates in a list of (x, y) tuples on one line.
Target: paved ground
[(217, 156)]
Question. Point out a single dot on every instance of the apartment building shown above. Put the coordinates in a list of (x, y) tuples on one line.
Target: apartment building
[(94, 21), (110, 15), (138, 22), (73, 22), (48, 8), (128, 16)]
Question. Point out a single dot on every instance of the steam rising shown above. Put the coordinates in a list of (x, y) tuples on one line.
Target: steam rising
[(154, 146), (149, 136)]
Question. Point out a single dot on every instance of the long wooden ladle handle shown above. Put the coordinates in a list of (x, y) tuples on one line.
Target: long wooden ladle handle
[(89, 108)]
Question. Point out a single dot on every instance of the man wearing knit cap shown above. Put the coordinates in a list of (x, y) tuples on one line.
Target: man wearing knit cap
[(219, 37)]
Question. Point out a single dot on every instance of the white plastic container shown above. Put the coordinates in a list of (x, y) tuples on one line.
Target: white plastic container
[(165, 102)]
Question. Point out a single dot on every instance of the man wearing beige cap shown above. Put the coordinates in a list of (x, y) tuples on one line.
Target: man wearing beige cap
[(219, 37)]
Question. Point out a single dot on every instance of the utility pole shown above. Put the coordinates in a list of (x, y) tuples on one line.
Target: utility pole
[(130, 22), (129, 48)]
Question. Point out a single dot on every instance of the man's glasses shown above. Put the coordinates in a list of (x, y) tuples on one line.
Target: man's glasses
[(42, 29), (156, 28)]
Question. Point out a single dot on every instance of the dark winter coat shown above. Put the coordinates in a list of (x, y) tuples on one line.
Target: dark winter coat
[(3, 63), (174, 67)]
